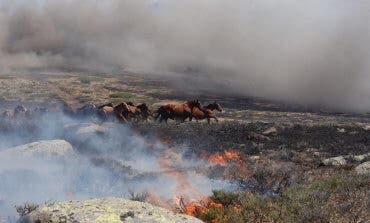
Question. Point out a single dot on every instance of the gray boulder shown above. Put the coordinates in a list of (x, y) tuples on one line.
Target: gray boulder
[(48, 149), (109, 210), (84, 131), (361, 158), (335, 161), (270, 131), (363, 168)]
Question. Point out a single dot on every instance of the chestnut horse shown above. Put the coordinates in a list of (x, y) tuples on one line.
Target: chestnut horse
[(107, 111), (140, 111), (206, 112), (180, 111)]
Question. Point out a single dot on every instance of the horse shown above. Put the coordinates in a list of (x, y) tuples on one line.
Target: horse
[(107, 104), (138, 111), (87, 110), (206, 112), (108, 111), (180, 111)]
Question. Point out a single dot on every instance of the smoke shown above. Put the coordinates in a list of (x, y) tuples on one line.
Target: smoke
[(105, 164), (310, 52)]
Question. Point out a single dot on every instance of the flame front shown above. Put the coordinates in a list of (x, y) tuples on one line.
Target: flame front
[(226, 157)]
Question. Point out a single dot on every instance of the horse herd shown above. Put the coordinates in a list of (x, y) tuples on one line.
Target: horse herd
[(128, 111)]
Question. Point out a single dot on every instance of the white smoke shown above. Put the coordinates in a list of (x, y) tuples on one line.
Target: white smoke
[(105, 165)]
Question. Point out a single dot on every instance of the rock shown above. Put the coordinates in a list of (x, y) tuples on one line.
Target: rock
[(270, 131), (83, 132), (341, 130), (367, 128), (254, 158), (48, 148), (108, 210), (335, 161), (258, 137), (363, 168), (90, 129), (361, 158)]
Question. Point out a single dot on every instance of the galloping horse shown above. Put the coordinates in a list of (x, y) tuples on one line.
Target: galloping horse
[(206, 112), (180, 111), (137, 111), (107, 111)]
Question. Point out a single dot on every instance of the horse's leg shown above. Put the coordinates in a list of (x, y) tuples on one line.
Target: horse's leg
[(209, 120), (190, 116), (123, 119), (157, 116), (214, 117), (185, 117)]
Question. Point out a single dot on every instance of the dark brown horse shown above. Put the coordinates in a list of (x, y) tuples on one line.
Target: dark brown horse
[(206, 112), (179, 111)]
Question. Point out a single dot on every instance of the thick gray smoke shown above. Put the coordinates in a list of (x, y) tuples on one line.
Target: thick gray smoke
[(311, 52)]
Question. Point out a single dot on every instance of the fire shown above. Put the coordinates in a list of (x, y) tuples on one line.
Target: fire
[(195, 207), (169, 161), (188, 199), (226, 157)]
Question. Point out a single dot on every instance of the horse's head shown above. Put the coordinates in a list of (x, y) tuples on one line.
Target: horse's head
[(216, 106), (195, 104)]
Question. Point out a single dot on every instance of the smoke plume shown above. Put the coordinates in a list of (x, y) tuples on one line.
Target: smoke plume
[(310, 52), (109, 164)]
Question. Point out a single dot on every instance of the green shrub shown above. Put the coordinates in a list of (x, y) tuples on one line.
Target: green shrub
[(223, 197), (26, 209), (89, 79), (339, 198), (122, 95)]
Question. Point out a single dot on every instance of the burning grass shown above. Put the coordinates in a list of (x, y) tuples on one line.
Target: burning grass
[(224, 158)]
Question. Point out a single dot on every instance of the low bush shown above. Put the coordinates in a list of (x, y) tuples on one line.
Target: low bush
[(340, 198)]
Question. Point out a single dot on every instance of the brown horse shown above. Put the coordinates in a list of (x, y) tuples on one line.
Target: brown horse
[(206, 112), (107, 112), (180, 111), (137, 112)]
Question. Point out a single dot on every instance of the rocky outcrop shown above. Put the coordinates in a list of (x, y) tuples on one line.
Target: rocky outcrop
[(270, 131), (363, 168), (344, 160), (335, 161), (106, 210), (47, 149)]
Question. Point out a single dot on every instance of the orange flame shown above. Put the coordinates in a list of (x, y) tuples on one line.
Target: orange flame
[(226, 157), (195, 208)]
